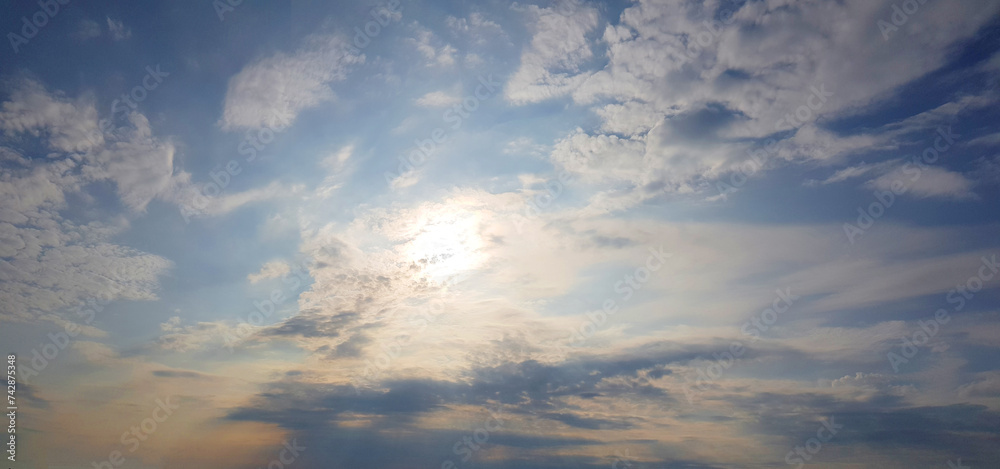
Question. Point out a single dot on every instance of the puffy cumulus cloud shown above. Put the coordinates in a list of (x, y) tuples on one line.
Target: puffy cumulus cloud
[(273, 90), (679, 154), (129, 155), (601, 157), (550, 64), (631, 118), (425, 41), (49, 262), (688, 88), (66, 125), (273, 269), (764, 62)]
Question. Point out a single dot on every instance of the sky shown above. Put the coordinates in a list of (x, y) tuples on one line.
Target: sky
[(446, 234)]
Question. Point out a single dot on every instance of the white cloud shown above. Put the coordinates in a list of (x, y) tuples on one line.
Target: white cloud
[(630, 118), (230, 202), (272, 91), (985, 385), (986, 140), (927, 182), (472, 60), (525, 146), (188, 195), (606, 158), (407, 179), (335, 161), (477, 28), (408, 124), (88, 29), (180, 338), (338, 171), (550, 64), (439, 99), (857, 171), (67, 125), (273, 269), (118, 30), (476, 23), (49, 263), (687, 115), (424, 41), (140, 164), (394, 257)]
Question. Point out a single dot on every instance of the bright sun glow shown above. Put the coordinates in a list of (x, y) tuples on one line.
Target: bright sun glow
[(447, 243)]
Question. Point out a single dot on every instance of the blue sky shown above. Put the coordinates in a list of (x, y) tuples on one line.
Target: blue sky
[(681, 234)]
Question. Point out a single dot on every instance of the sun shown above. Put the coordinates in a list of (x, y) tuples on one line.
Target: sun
[(447, 243)]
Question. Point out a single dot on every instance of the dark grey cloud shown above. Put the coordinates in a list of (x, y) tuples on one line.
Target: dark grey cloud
[(702, 124), (317, 413), (603, 241), (527, 386), (880, 423), (27, 393), (588, 423), (313, 324), (177, 374)]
